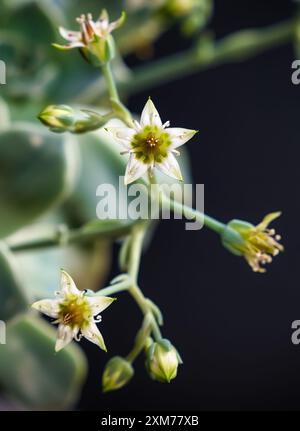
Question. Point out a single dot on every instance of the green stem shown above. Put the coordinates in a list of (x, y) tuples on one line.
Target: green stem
[(60, 237), (141, 338), (134, 264), (68, 237), (134, 353), (235, 47), (115, 288), (110, 82), (187, 211), (119, 110)]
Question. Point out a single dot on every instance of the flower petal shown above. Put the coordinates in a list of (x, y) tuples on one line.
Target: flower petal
[(50, 307), (170, 167), (179, 136), (150, 115), (99, 303), (69, 35), (65, 335), (67, 284), (123, 135), (268, 219), (134, 169), (92, 333), (103, 17), (70, 46), (116, 24)]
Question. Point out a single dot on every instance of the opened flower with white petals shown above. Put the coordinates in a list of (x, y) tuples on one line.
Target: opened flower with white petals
[(150, 144), (75, 313), (92, 36)]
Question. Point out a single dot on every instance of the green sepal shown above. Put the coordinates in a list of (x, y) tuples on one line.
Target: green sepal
[(232, 236)]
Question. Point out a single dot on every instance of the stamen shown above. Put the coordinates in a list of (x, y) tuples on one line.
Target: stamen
[(152, 141), (78, 337), (67, 318)]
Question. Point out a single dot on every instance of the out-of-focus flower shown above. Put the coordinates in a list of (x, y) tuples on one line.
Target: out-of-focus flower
[(63, 118), (141, 4), (182, 7), (150, 144), (162, 360), (75, 313), (93, 39), (117, 373), (258, 244)]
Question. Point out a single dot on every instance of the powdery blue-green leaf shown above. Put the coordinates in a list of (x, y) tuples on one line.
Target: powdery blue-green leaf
[(13, 299), (32, 374), (101, 163), (37, 171)]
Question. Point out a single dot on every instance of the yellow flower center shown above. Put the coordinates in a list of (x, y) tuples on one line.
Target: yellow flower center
[(75, 311), (151, 144), (261, 246)]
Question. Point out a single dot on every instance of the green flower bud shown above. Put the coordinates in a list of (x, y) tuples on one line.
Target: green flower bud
[(62, 118), (117, 373), (57, 117), (162, 360)]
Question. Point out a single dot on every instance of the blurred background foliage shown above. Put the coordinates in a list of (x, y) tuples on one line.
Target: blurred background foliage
[(49, 180)]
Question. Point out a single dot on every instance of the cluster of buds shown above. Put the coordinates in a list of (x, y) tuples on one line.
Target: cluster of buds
[(162, 360)]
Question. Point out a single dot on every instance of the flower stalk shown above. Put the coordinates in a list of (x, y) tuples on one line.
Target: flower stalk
[(189, 212), (235, 47)]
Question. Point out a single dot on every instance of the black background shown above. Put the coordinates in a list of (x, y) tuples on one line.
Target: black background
[(232, 326)]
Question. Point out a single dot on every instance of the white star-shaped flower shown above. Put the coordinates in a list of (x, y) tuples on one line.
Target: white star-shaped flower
[(89, 30), (75, 313), (150, 143)]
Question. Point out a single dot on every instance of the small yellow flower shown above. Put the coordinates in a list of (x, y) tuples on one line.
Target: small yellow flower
[(258, 244), (75, 313)]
